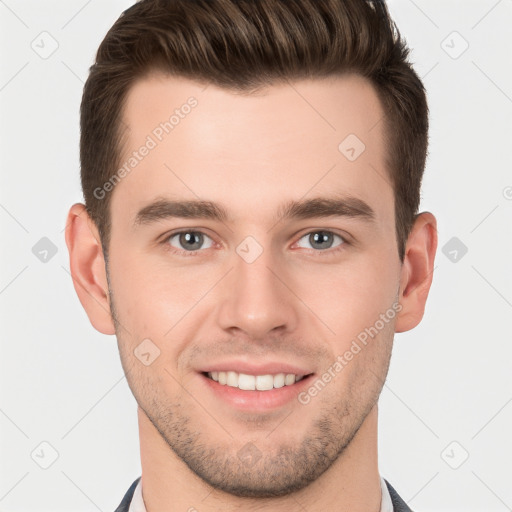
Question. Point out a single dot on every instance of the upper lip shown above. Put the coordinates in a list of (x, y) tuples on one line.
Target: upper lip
[(264, 368)]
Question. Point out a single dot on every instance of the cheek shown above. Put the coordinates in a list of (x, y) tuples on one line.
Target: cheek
[(155, 301), (139, 286), (351, 296)]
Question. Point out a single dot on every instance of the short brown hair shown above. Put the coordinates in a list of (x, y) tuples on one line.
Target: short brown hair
[(243, 45)]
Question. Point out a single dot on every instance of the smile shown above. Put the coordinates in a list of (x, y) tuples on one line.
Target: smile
[(254, 382)]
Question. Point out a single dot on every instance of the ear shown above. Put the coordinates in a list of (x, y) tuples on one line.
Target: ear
[(417, 271), (87, 266)]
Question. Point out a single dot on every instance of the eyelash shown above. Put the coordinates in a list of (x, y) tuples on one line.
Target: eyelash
[(321, 253)]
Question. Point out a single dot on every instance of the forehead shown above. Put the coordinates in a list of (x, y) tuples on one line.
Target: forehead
[(252, 152), (333, 106)]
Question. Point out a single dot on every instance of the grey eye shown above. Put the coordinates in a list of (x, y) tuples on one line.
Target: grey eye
[(321, 239), (190, 240)]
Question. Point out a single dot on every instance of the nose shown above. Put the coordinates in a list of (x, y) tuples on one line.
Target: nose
[(257, 298)]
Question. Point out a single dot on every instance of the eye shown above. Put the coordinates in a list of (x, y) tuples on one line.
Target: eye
[(322, 240), (188, 241)]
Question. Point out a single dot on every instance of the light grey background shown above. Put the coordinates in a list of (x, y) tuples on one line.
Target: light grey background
[(449, 391)]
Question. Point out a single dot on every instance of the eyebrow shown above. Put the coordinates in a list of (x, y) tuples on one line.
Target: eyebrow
[(318, 207)]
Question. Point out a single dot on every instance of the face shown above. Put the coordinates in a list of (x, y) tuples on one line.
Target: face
[(248, 288)]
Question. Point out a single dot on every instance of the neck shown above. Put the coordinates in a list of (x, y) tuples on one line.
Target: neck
[(352, 483)]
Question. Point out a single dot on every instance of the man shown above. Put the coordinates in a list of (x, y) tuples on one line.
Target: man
[(251, 172)]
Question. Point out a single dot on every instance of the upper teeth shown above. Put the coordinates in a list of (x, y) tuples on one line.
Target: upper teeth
[(252, 382)]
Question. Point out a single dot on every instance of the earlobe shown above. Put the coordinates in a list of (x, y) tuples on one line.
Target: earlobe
[(87, 268), (417, 271)]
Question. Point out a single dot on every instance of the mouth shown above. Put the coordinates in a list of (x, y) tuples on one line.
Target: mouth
[(248, 382), (255, 393)]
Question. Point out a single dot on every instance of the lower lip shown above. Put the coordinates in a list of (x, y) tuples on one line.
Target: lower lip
[(254, 400)]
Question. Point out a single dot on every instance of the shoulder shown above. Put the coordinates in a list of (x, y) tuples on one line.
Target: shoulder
[(399, 505), (124, 506)]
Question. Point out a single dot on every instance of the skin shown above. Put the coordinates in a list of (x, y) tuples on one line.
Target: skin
[(296, 302)]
